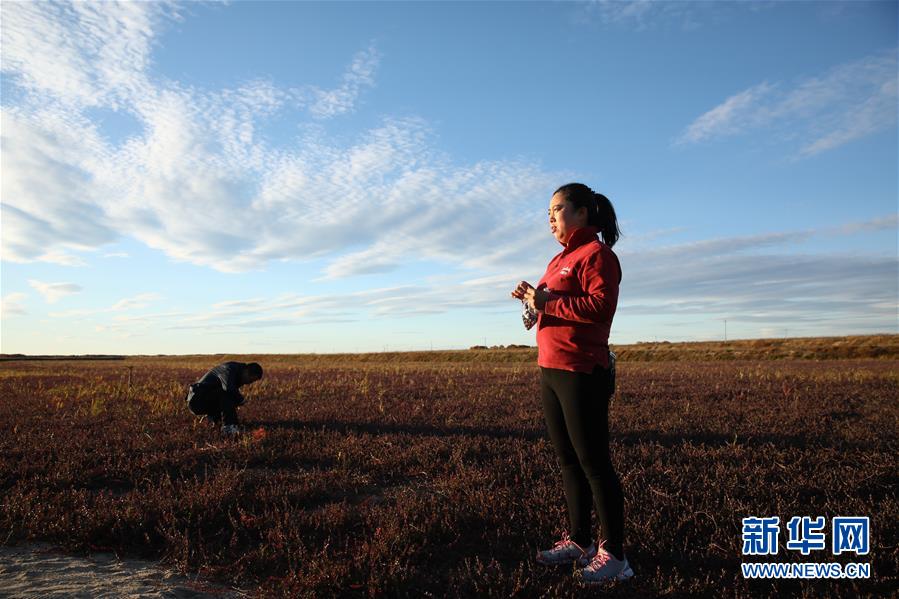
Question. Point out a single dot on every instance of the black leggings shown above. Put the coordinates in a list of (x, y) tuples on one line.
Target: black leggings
[(576, 408)]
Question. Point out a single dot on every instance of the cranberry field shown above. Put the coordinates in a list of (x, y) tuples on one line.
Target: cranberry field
[(432, 475)]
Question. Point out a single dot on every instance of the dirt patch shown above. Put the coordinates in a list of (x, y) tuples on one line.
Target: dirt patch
[(41, 571)]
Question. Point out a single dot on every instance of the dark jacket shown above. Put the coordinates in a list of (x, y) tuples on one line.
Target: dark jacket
[(229, 377)]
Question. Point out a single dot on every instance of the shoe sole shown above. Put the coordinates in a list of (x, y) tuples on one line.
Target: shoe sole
[(623, 575), (579, 560), (567, 562), (558, 563)]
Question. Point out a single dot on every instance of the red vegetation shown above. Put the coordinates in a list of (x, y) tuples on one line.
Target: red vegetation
[(360, 478)]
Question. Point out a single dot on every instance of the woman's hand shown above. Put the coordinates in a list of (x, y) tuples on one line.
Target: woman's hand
[(535, 298), (521, 289)]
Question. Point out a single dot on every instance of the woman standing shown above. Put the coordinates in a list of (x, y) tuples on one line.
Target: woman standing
[(575, 301)]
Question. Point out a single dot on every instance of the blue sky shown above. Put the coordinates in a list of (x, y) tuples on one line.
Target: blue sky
[(298, 177)]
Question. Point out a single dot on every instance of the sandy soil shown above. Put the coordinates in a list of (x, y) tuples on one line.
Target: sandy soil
[(40, 571)]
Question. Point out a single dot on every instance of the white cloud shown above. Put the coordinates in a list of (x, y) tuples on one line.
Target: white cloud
[(455, 216), (874, 114), (82, 53), (697, 281), (848, 102), (299, 310), (646, 14), (49, 200), (12, 305), (727, 278), (136, 302), (53, 292), (736, 114), (755, 281), (776, 288), (622, 11), (359, 75), (891, 221), (61, 258), (202, 183), (724, 245)]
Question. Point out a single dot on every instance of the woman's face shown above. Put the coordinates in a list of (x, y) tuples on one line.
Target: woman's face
[(564, 218)]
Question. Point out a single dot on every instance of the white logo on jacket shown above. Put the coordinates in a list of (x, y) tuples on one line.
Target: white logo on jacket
[(565, 270)]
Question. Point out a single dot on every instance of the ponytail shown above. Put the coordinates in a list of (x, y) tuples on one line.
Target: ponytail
[(606, 220), (600, 212)]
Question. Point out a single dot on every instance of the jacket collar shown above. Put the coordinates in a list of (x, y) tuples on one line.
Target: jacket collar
[(579, 237)]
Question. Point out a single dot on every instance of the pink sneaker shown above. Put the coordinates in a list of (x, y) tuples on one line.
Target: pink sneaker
[(566, 551), (604, 567)]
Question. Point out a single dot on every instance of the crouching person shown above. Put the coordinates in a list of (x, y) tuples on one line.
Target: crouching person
[(217, 395)]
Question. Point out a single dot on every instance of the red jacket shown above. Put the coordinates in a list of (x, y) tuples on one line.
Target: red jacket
[(573, 330)]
